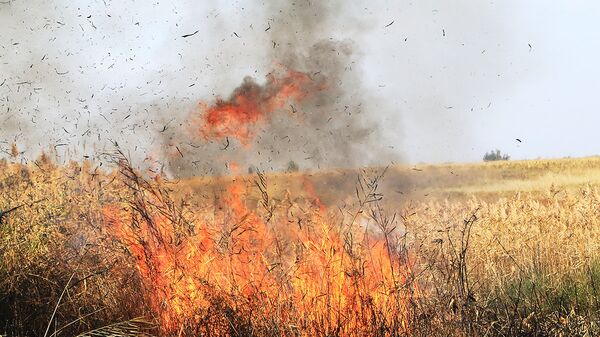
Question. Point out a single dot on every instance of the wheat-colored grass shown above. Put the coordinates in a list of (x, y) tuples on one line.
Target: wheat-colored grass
[(508, 248)]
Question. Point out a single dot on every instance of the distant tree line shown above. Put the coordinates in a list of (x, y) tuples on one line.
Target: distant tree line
[(495, 155)]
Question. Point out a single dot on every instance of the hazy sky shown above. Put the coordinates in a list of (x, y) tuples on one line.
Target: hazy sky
[(447, 81)]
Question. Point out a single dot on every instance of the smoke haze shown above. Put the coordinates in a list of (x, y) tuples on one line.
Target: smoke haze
[(86, 76)]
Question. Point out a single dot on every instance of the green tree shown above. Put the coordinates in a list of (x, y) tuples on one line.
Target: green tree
[(292, 166), (495, 155)]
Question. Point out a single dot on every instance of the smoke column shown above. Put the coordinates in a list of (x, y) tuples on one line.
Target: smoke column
[(83, 77), (309, 109)]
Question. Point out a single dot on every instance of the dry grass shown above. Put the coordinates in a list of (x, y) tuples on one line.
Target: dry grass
[(532, 261), (59, 232), (493, 249)]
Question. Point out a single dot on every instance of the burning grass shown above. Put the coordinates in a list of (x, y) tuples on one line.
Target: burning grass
[(122, 245), (294, 271)]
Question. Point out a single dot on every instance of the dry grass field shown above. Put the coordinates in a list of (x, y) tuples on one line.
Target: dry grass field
[(492, 249)]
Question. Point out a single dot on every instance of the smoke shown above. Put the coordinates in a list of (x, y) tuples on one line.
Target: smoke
[(323, 123), (89, 75)]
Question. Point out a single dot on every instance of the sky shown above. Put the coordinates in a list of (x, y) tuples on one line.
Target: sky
[(444, 81)]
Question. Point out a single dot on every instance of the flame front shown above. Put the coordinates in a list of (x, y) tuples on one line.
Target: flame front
[(303, 270)]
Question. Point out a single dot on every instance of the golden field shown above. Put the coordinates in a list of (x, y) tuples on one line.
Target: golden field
[(491, 249)]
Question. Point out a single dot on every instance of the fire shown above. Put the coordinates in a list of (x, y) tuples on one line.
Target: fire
[(251, 104), (304, 270), (234, 167), (311, 191)]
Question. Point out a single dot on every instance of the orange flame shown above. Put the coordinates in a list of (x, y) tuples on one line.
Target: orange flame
[(251, 103), (310, 273)]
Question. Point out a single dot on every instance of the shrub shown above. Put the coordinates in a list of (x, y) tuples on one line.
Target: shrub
[(292, 166)]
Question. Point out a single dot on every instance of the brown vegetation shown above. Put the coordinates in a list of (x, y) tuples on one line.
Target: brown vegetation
[(272, 255)]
